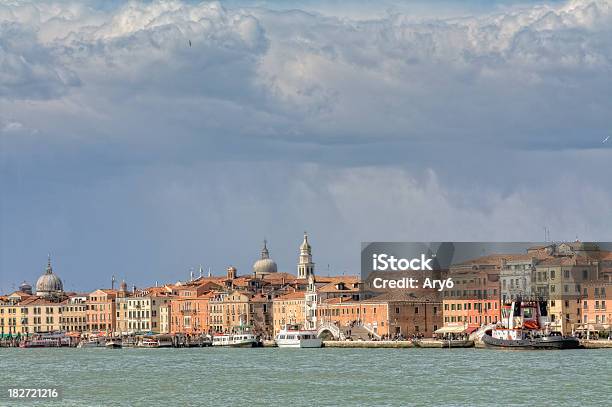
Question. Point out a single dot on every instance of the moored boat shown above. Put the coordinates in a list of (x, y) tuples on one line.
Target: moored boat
[(524, 325), (443, 343), (49, 340), (291, 336), (92, 342), (114, 344), (236, 340), (148, 343)]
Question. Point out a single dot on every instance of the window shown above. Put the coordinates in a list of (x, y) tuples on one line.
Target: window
[(397, 310), (416, 311), (552, 274)]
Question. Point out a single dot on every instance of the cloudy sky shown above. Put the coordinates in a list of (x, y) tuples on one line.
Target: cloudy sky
[(125, 151)]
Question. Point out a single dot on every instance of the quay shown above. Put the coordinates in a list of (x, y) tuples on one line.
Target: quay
[(596, 344), (368, 344)]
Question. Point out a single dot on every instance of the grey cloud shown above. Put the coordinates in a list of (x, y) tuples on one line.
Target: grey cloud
[(28, 69)]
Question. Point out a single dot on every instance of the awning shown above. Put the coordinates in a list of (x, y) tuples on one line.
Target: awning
[(471, 329), (593, 327), (456, 329)]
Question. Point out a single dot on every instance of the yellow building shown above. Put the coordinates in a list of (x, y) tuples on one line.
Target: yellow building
[(74, 314), (11, 313), (143, 309)]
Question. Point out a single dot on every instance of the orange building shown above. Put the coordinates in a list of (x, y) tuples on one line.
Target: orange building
[(288, 309), (101, 310), (597, 307), (389, 314), (475, 299), (189, 310)]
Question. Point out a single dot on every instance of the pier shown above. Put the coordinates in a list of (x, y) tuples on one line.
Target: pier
[(368, 344)]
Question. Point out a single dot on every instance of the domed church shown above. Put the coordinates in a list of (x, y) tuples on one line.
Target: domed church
[(49, 284), (265, 265)]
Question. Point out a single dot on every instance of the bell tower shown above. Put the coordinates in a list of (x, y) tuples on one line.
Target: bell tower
[(305, 266)]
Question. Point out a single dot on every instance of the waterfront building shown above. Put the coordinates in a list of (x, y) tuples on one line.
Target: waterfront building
[(11, 314), (289, 309), (121, 309), (101, 310), (165, 316), (233, 309), (189, 311), (144, 309), (559, 279), (38, 315), (389, 314), (475, 299), (597, 307), (74, 313)]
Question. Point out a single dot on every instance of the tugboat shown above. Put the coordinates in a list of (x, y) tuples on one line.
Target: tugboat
[(524, 326)]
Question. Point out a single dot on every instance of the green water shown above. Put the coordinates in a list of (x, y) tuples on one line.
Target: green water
[(312, 377)]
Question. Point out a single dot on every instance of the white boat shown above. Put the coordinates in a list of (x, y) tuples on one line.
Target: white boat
[(49, 340), (237, 340), (114, 344), (291, 336), (148, 343)]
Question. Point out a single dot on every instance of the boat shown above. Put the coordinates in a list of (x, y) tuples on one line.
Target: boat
[(148, 343), (237, 340), (524, 325), (129, 342), (291, 336), (164, 341), (50, 340), (92, 342), (114, 344), (443, 343)]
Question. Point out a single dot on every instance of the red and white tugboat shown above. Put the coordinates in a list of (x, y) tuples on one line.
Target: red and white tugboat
[(524, 326)]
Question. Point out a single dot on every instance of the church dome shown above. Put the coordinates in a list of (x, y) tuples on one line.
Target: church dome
[(25, 287), (265, 265), (49, 284)]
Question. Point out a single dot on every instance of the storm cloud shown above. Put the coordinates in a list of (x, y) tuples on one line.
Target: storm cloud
[(143, 139)]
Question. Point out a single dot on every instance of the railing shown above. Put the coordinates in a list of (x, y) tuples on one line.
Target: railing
[(333, 328), (371, 330)]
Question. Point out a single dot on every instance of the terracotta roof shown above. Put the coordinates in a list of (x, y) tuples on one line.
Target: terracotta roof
[(566, 261), (332, 288), (403, 295), (38, 301), (336, 300), (334, 279), (259, 297), (278, 276), (297, 295)]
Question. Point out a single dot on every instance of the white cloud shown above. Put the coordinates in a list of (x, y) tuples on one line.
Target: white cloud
[(333, 79), (393, 128)]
